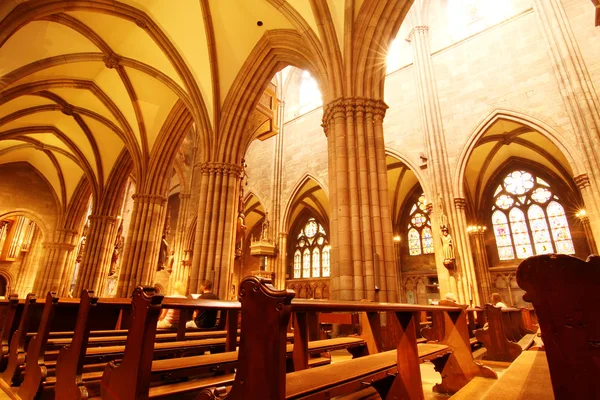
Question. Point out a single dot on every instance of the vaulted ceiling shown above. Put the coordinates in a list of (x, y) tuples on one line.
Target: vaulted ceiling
[(83, 81)]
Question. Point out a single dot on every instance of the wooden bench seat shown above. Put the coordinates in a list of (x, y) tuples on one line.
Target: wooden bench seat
[(357, 371), (394, 372), (527, 378)]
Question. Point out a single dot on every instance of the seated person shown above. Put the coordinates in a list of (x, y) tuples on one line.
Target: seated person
[(497, 300), (204, 318), (169, 318)]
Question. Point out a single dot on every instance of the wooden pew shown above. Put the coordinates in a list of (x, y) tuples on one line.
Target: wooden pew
[(131, 378), (565, 293), (10, 318), (505, 336), (394, 374)]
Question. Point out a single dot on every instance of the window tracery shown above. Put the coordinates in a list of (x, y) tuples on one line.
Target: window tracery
[(312, 252), (420, 238), (528, 219)]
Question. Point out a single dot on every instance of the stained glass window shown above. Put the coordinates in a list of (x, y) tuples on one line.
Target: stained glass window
[(528, 219), (420, 239), (306, 263), (316, 263), (539, 230), (311, 253), (560, 228), (326, 267), (427, 240), (297, 264)]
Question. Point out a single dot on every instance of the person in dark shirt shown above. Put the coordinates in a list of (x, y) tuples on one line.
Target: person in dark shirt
[(205, 318)]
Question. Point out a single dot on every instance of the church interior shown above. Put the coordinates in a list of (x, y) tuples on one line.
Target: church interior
[(411, 155)]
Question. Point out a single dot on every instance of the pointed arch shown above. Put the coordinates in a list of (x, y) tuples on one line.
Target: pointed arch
[(296, 197), (275, 50), (556, 135)]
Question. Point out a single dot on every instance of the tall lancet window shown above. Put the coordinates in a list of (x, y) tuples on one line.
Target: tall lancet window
[(420, 239), (528, 218), (311, 255)]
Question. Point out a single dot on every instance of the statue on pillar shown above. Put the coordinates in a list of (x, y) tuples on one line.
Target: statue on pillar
[(163, 254), (240, 230), (114, 261), (447, 241)]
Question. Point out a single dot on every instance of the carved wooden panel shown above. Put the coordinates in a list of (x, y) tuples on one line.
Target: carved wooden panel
[(310, 288)]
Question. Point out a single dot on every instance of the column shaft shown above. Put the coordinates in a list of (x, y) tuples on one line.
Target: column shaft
[(99, 247), (215, 234), (579, 96), (461, 279), (50, 275), (362, 258), (142, 245)]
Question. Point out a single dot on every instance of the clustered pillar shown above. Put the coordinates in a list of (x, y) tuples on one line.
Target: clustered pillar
[(97, 255), (482, 271), (142, 245), (580, 98), (361, 242), (215, 228), (51, 276), (461, 278)]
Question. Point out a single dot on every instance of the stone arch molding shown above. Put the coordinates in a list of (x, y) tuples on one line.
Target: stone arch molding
[(32, 216), (555, 134), (289, 203), (416, 170)]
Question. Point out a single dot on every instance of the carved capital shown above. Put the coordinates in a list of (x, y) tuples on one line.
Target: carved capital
[(460, 203), (149, 198), (59, 246), (420, 29), (103, 218), (582, 181), (219, 168), (351, 108)]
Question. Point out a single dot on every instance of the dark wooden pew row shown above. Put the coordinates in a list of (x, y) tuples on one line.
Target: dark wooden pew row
[(506, 336), (39, 369), (131, 377), (565, 292), (118, 384), (9, 324), (394, 374)]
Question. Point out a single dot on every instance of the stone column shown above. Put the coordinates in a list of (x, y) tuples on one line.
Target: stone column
[(99, 248), (482, 267), (50, 275), (362, 254), (142, 245), (583, 184), (281, 261), (277, 230), (178, 274), (29, 265), (579, 96), (460, 279), (215, 229)]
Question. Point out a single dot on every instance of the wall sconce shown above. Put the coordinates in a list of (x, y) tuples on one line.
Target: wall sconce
[(581, 214), (397, 239)]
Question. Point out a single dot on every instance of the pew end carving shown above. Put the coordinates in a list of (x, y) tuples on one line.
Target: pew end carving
[(146, 307), (565, 292)]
